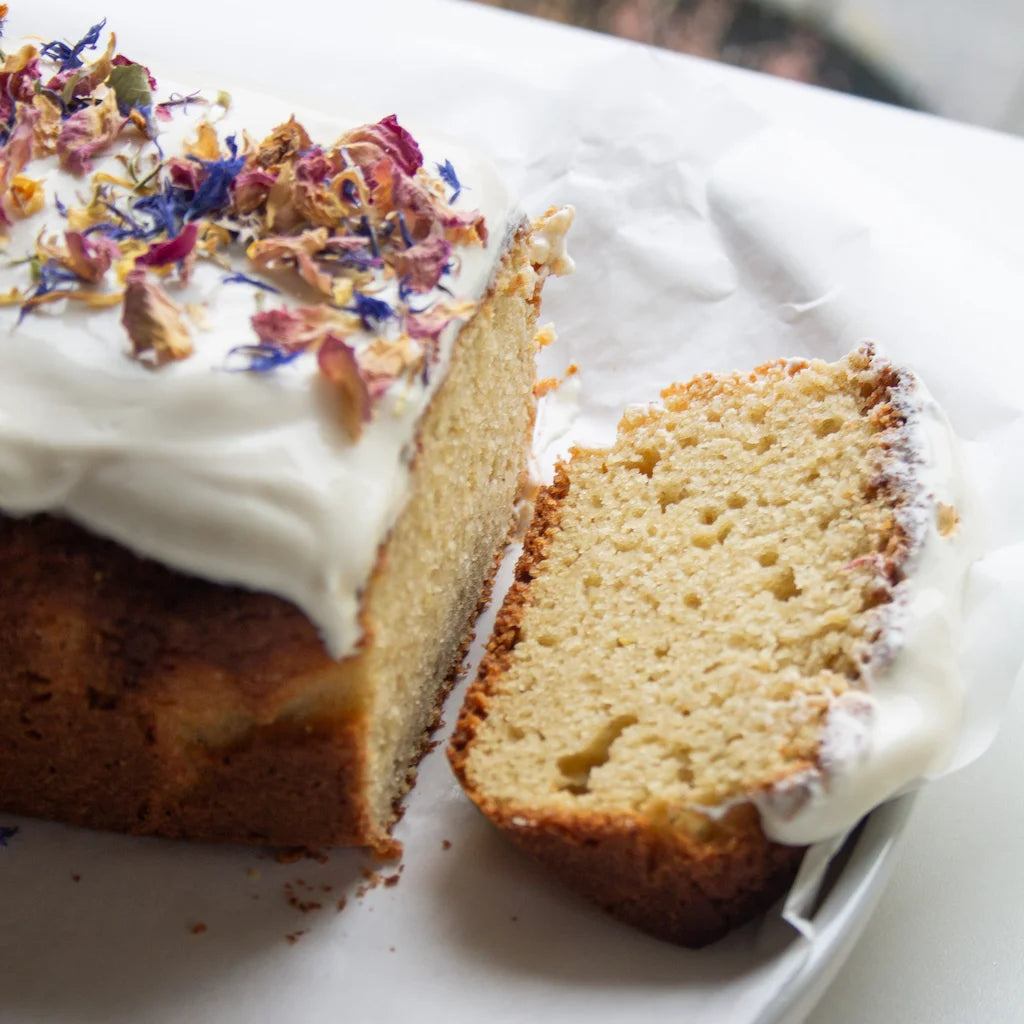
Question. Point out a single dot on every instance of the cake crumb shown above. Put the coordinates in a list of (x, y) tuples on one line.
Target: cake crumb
[(544, 386), (294, 937), (75, 877), (545, 336), (392, 880), (198, 928), (292, 854), (446, 844), (391, 949), (304, 906), (253, 873), (342, 903)]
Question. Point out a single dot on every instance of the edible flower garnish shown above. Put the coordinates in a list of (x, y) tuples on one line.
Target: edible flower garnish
[(154, 323), (338, 363), (357, 237), (450, 178)]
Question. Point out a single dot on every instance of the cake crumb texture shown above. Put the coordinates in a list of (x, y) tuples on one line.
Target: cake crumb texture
[(688, 604)]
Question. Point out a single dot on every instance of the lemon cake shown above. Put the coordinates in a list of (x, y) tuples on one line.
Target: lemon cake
[(265, 409), (731, 634)]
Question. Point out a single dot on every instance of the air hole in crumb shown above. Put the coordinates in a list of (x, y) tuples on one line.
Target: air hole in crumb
[(826, 521), (592, 579), (692, 601), (723, 531), (765, 443), (709, 515), (757, 414), (687, 441), (547, 640), (685, 771), (768, 558), (515, 733), (576, 768), (714, 416), (736, 501), (783, 586), (812, 476), (829, 425), (661, 651), (703, 539), (644, 461)]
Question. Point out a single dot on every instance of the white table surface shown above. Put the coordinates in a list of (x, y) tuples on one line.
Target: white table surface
[(945, 943)]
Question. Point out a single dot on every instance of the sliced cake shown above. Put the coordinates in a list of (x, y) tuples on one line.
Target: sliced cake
[(707, 659)]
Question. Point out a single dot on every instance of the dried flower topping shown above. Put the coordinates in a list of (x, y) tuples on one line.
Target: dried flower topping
[(154, 323), (357, 237)]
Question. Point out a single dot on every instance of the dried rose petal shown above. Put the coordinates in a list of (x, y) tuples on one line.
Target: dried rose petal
[(162, 254), (422, 264), (390, 137), (283, 142), (337, 363), (384, 361), (154, 323), (90, 258), (299, 327), (250, 189), (86, 132), (271, 253)]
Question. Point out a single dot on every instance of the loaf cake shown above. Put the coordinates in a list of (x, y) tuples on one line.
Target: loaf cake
[(730, 634), (265, 410)]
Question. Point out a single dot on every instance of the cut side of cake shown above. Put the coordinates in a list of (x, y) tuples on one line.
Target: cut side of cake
[(265, 412), (711, 652)]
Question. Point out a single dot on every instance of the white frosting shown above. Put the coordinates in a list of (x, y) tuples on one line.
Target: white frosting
[(904, 722), (240, 478)]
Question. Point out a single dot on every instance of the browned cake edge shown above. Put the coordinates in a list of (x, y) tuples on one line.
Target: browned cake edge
[(687, 890)]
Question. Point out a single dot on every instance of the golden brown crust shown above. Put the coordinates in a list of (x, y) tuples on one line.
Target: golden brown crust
[(113, 667), (655, 877)]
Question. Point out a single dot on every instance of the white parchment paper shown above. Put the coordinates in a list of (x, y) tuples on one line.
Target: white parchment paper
[(721, 221)]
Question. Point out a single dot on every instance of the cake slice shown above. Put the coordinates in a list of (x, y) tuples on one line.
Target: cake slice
[(265, 411), (707, 659)]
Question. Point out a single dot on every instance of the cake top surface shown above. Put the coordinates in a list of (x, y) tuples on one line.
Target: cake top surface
[(222, 320)]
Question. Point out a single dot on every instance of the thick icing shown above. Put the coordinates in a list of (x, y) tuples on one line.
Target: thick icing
[(901, 726), (236, 477)]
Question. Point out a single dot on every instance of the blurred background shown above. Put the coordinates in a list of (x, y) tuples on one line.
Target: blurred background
[(962, 59)]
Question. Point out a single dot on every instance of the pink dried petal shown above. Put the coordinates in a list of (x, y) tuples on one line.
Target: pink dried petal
[(162, 254), (185, 173), (86, 132), (299, 327), (392, 139), (90, 258), (271, 253), (337, 363), (421, 265), (154, 323), (250, 189)]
